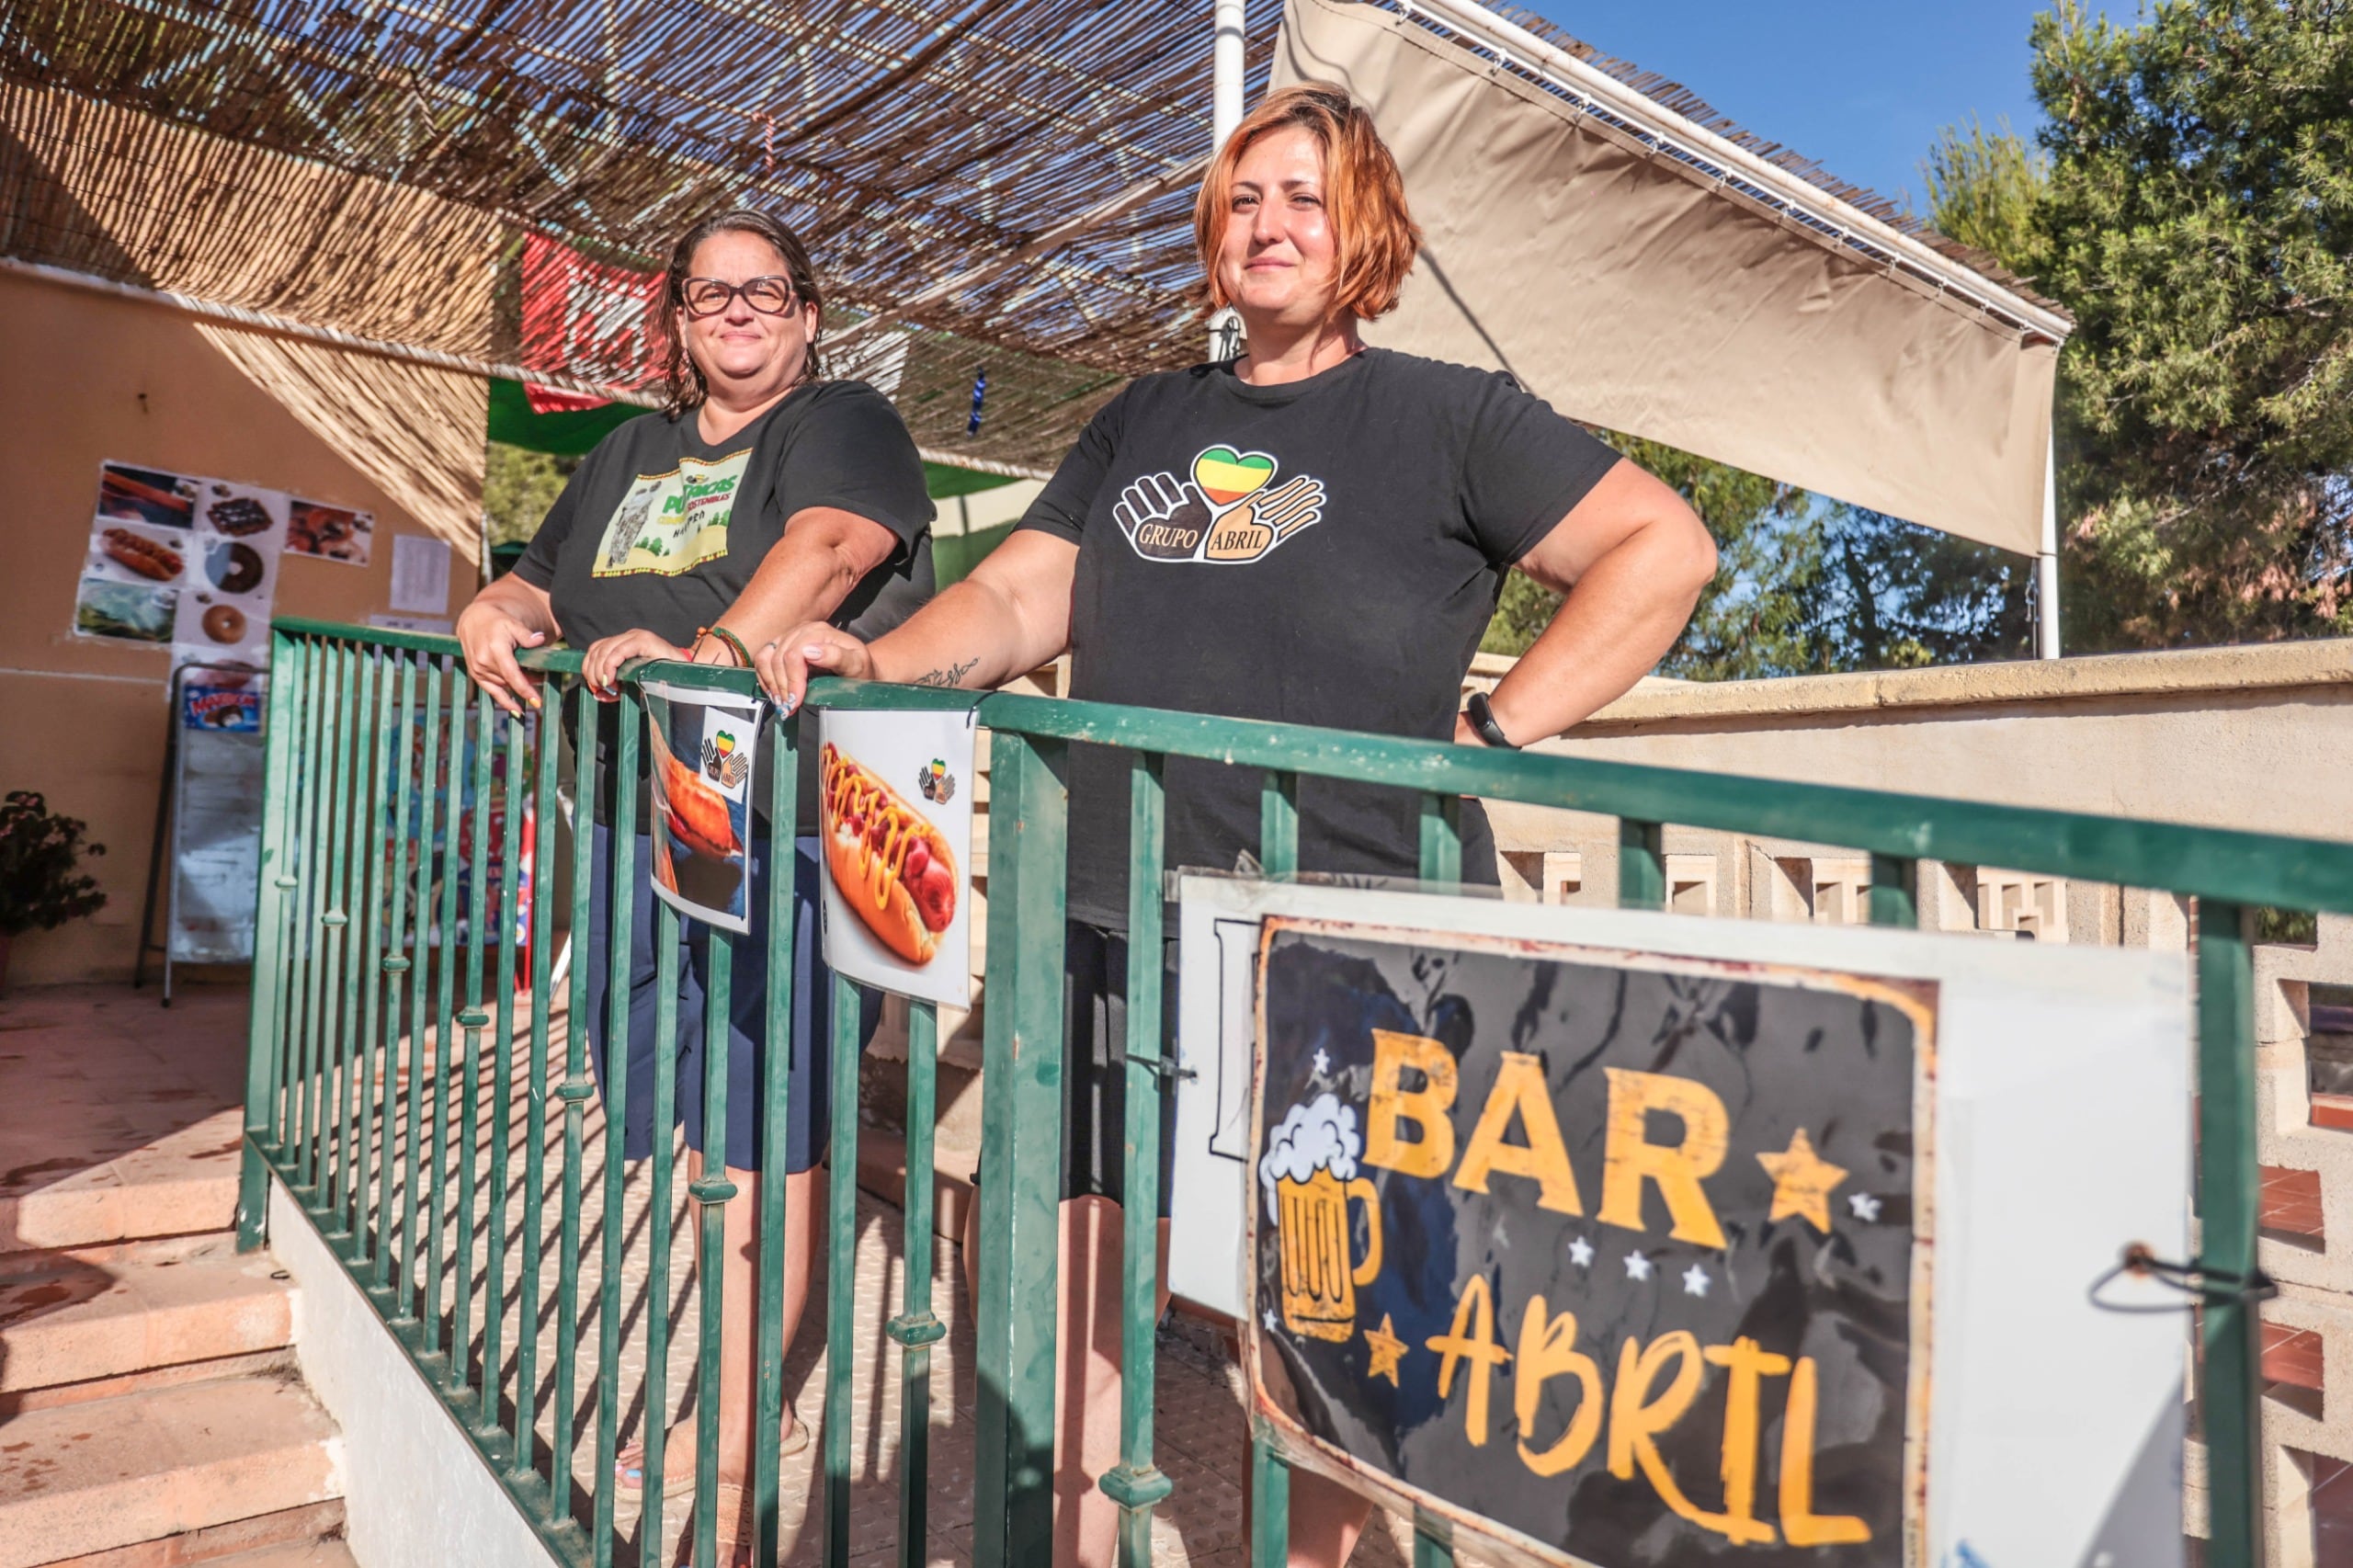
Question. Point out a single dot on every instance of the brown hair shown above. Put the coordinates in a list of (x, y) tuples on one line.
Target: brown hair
[(682, 378), (1363, 192)]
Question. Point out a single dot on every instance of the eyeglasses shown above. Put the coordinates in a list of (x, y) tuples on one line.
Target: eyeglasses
[(709, 296)]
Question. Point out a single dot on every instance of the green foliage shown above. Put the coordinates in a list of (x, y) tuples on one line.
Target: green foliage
[(41, 884), (1984, 190), (2199, 222), (518, 486), (1807, 588)]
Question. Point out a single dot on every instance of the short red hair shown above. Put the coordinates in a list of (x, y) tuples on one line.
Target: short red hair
[(1363, 190)]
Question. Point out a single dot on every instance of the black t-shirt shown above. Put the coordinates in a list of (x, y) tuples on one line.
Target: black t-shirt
[(1324, 553), (661, 530)]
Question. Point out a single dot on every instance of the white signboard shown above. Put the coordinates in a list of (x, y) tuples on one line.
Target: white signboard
[(2049, 1128), (703, 749), (896, 822)]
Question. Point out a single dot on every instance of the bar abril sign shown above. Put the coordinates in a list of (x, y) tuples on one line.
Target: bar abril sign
[(1557, 1243)]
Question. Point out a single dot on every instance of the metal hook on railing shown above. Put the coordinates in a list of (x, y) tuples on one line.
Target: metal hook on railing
[(2192, 1279)]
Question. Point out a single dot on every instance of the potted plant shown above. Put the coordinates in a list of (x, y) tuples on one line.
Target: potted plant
[(41, 883)]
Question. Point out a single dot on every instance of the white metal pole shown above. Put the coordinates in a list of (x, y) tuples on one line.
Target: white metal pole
[(1225, 107), (2046, 565)]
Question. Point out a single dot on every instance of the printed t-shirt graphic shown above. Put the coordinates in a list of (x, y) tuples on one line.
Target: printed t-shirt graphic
[(670, 523), (1227, 510)]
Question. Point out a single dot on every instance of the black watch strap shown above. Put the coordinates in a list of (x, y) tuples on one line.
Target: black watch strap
[(1483, 718)]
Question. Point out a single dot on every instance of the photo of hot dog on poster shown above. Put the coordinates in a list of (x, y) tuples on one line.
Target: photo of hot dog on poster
[(699, 767), (897, 790)]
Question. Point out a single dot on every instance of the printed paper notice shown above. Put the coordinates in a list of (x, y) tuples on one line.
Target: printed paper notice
[(420, 575)]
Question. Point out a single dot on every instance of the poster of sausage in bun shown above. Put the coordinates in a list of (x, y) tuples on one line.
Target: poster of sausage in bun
[(895, 817), (701, 767)]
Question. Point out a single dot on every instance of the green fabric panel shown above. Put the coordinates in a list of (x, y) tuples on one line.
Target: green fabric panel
[(955, 555), (946, 481), (513, 422)]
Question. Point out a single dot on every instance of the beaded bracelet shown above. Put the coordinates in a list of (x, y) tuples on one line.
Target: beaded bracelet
[(735, 643)]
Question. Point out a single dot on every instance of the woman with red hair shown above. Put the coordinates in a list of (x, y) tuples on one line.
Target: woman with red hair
[(1315, 532)]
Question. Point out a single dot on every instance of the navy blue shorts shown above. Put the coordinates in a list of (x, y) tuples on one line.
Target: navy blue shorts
[(807, 1121)]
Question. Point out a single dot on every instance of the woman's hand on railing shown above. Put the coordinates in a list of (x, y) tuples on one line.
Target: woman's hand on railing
[(786, 664), (489, 634), (601, 666)]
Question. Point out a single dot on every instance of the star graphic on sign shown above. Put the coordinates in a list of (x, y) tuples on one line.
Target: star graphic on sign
[(1637, 1267), (1387, 1350), (1323, 1062), (1580, 1252), (1864, 1206), (1694, 1281), (1801, 1182), (1267, 1317)]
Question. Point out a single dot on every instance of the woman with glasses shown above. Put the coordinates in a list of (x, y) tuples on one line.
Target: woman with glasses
[(1313, 533), (763, 497)]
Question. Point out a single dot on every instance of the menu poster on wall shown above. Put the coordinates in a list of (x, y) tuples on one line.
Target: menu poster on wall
[(331, 533), (224, 613), (141, 543)]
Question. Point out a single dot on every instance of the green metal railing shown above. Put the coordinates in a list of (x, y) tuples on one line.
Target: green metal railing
[(364, 983)]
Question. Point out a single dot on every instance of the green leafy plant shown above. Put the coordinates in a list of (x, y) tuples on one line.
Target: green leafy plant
[(41, 883)]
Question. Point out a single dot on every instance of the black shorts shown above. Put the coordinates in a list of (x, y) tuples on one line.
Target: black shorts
[(1095, 1065)]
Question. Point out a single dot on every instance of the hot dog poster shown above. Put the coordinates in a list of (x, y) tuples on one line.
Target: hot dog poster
[(895, 819), (182, 560), (701, 773)]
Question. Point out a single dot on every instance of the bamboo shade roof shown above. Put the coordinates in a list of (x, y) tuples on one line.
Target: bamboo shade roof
[(373, 166)]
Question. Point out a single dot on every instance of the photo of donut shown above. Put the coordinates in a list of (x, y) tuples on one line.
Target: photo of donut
[(332, 533), (224, 623), (235, 568)]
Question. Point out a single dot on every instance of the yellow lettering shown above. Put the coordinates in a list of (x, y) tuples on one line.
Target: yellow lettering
[(1548, 1350), (1471, 1339), (1636, 1420), (1749, 1365), (1433, 1150), (1543, 1159), (1630, 1159), (1800, 1523)]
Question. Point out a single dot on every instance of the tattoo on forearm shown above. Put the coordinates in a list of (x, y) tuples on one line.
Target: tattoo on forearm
[(948, 676)]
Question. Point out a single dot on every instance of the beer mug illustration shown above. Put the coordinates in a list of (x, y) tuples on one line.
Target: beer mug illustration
[(1310, 1173)]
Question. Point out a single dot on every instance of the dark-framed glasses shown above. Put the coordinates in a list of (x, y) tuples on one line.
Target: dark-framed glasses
[(709, 296)]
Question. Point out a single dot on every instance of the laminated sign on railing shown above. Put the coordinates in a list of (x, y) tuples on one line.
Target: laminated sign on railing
[(1582, 1235)]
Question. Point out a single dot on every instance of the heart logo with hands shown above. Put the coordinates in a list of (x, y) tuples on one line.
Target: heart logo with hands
[(1225, 475), (1271, 517), (1164, 519)]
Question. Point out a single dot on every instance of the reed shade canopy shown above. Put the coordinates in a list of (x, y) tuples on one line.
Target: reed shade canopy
[(374, 166), (1627, 258)]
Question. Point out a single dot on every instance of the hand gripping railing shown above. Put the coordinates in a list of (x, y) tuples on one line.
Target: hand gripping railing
[(384, 764)]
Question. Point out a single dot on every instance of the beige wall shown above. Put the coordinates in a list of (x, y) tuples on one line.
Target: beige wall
[(85, 378)]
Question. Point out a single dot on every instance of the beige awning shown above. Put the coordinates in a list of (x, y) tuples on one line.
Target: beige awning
[(1636, 288)]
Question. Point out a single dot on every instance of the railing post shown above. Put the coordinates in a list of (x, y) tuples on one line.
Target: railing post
[(1641, 864), (841, 1266), (2227, 1218), (915, 1330), (262, 1027), (776, 1110), (1137, 1485), (711, 1193), (535, 1131), (578, 1088), (619, 909), (1020, 1199), (1893, 897), (396, 966)]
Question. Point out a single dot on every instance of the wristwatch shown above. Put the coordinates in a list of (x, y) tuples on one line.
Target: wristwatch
[(1483, 718)]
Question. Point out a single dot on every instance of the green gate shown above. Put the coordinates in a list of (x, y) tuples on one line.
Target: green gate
[(387, 773)]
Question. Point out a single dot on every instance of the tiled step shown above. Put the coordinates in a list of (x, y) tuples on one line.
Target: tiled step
[(309, 1535), (65, 1319), (88, 1478), (183, 1182), (311, 1555)]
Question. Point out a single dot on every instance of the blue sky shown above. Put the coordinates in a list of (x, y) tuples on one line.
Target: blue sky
[(1860, 88)]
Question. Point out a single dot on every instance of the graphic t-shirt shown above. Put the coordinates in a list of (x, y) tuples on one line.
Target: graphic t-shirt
[(661, 530), (1325, 552)]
